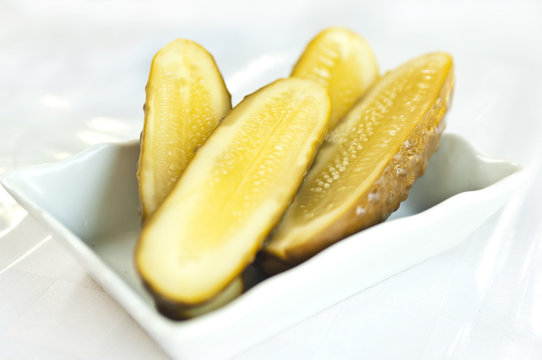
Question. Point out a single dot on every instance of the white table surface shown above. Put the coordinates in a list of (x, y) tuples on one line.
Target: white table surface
[(72, 74)]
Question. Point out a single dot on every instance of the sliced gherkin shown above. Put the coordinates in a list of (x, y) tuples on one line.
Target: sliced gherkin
[(232, 193), (368, 162), (186, 99), (342, 62)]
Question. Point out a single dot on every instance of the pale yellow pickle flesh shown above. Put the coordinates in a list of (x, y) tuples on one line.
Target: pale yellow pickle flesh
[(186, 99), (341, 61)]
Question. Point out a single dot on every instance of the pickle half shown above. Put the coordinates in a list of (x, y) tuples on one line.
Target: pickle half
[(342, 62), (186, 99), (232, 193), (368, 162)]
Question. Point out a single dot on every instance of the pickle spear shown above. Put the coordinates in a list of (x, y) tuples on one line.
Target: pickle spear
[(232, 193), (186, 99), (341, 61), (368, 162)]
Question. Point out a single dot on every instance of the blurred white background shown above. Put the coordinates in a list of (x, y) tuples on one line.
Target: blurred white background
[(72, 74)]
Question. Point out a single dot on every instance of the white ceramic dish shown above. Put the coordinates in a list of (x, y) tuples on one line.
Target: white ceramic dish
[(90, 203)]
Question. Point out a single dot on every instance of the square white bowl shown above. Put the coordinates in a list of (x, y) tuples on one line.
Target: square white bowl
[(90, 203)]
